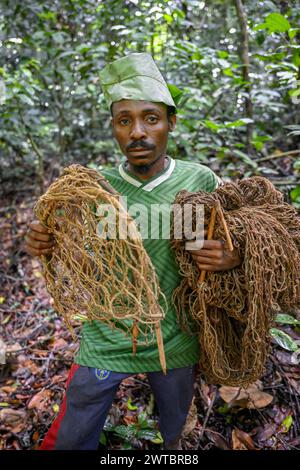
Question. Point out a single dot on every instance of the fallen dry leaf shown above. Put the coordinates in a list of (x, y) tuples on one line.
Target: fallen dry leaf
[(217, 439), (34, 369), (191, 420), (250, 397), (284, 357), (8, 389), (266, 432), (295, 384), (130, 419), (237, 444), (58, 378), (59, 344), (40, 400), (243, 438), (10, 416)]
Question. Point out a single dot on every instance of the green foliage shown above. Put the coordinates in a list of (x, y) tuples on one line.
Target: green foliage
[(274, 23), (286, 319), (144, 428), (52, 107), (283, 339), (295, 197)]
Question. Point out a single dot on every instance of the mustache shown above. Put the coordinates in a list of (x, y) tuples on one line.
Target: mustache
[(140, 144)]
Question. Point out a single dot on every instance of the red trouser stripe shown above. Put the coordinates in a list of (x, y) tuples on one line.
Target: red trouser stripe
[(50, 438)]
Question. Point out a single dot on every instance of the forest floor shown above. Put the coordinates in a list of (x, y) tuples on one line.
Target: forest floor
[(39, 353)]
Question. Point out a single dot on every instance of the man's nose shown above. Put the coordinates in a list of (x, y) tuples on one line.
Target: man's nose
[(137, 131)]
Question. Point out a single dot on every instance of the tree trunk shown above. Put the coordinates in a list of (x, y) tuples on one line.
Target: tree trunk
[(246, 66)]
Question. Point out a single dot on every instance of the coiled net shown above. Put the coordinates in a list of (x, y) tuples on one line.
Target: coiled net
[(232, 311), (99, 270)]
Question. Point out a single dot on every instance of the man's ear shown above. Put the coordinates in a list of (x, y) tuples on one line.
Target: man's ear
[(172, 122)]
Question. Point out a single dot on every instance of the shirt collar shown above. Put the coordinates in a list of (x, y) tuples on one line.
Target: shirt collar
[(155, 181)]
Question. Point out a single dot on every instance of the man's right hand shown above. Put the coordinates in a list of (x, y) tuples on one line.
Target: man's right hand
[(38, 240)]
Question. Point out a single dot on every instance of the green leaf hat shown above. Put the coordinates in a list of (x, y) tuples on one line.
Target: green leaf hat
[(136, 77)]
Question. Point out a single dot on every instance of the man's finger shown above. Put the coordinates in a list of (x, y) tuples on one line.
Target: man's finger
[(38, 227), (214, 254), (39, 245), (213, 244), (33, 252), (204, 260), (39, 236)]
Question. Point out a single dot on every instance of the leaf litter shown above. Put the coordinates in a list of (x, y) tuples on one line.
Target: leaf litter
[(37, 351)]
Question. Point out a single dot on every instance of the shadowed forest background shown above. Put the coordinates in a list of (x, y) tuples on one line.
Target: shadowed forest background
[(238, 65)]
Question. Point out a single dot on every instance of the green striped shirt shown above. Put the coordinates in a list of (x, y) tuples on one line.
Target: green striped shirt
[(104, 348)]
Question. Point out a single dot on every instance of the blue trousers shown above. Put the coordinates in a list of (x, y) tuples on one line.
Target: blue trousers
[(89, 396)]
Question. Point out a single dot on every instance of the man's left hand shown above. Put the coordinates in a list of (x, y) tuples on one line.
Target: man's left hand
[(215, 256)]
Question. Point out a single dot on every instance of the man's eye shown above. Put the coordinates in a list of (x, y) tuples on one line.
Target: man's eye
[(152, 119), (124, 122)]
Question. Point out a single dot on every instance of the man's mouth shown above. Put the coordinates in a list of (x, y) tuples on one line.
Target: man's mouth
[(139, 150)]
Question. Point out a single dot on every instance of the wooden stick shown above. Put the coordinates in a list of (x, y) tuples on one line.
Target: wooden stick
[(161, 351), (278, 155), (135, 333), (225, 227), (210, 232)]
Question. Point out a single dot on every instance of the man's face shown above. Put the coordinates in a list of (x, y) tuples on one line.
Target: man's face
[(141, 129)]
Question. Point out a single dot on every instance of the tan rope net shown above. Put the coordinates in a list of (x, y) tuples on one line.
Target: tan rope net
[(94, 273), (233, 310)]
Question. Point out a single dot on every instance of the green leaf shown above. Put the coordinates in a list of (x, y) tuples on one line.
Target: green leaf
[(47, 15), (283, 339), (25, 99), (260, 26), (168, 18), (294, 92), (292, 32), (109, 427), (286, 423), (130, 406), (223, 54), (228, 72), (296, 58), (158, 439), (211, 125), (126, 432), (284, 317), (83, 48), (245, 158), (270, 57), (147, 434), (59, 38), (175, 93), (295, 193), (239, 123), (143, 420), (295, 128), (277, 23)]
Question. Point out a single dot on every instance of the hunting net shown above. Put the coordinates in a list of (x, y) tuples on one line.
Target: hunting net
[(99, 269), (232, 311)]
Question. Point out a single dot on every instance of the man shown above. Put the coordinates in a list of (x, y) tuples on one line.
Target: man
[(143, 113)]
